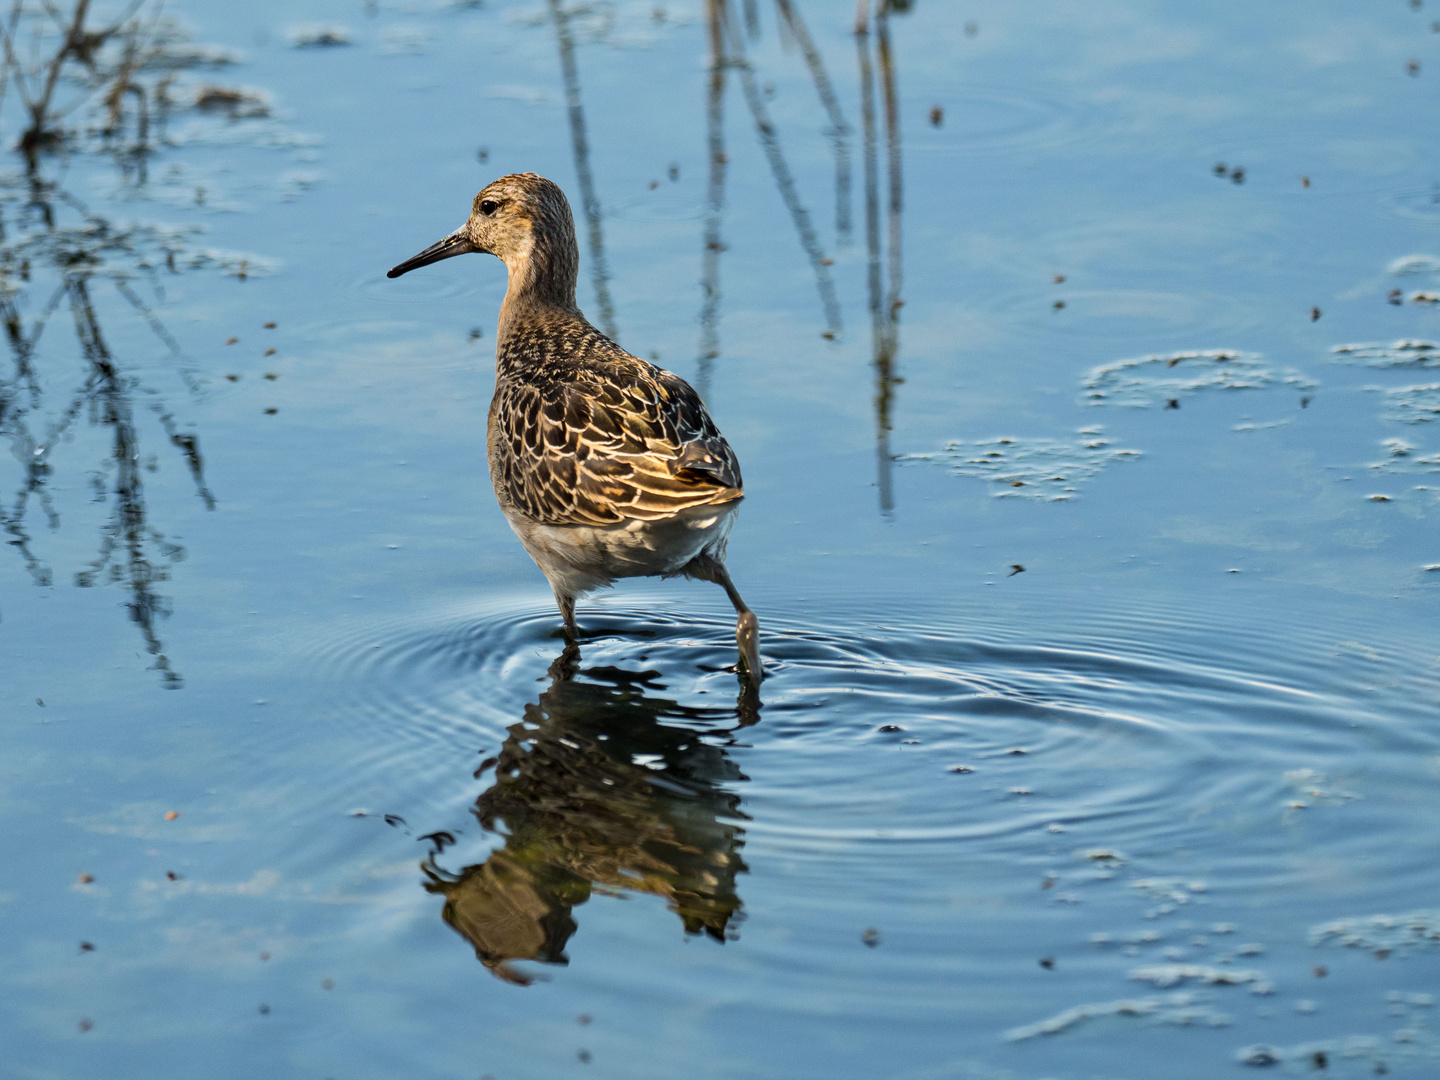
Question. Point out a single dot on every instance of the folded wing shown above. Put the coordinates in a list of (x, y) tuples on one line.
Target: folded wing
[(593, 451)]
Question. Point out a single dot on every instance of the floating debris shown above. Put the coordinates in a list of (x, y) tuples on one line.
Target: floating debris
[(1138, 382), (319, 36), (1413, 404), (1405, 353), (1044, 469), (1162, 976), (1414, 264), (1181, 1010), (236, 102), (1417, 930)]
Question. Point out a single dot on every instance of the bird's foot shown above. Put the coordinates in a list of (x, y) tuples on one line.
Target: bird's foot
[(747, 636)]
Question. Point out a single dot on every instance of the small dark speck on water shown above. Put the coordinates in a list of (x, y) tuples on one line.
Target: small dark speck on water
[(961, 768), (233, 378), (1048, 963), (85, 1024), (482, 155), (1305, 402), (476, 333), (1172, 403), (1221, 169), (86, 946), (1015, 568), (1314, 314), (327, 984), (264, 1010), (1320, 1059), (937, 115), (1412, 67), (269, 352), (971, 29), (264, 954), (1395, 297), (170, 875), (271, 376), (271, 412), (890, 727), (1059, 305), (1320, 971), (40, 702), (1237, 175), (583, 1019), (232, 341), (673, 172), (1305, 181), (871, 937), (270, 326), (1058, 279), (654, 184), (1016, 751), (584, 1056)]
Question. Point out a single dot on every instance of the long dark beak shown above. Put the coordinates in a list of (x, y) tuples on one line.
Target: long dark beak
[(457, 243)]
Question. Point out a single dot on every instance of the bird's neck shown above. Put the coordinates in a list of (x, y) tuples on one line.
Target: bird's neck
[(542, 282)]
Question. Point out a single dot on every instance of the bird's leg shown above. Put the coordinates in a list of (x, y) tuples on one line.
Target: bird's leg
[(567, 612), (747, 627)]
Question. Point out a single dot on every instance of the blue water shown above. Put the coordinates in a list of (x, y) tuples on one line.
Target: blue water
[(1095, 585)]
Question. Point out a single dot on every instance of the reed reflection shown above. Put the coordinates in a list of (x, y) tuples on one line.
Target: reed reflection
[(60, 255), (884, 295), (603, 786)]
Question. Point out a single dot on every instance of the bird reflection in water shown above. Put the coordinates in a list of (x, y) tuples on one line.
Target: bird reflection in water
[(602, 787)]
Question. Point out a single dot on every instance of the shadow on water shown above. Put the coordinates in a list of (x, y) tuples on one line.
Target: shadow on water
[(118, 78), (603, 786)]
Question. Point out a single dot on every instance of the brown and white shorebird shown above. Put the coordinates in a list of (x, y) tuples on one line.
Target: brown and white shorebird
[(605, 466)]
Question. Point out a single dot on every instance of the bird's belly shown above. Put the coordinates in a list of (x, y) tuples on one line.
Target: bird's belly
[(578, 558)]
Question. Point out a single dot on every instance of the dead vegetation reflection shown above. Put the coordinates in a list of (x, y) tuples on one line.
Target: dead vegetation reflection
[(883, 284), (602, 787), (115, 78), (728, 35)]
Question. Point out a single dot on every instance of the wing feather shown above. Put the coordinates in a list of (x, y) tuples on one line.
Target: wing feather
[(608, 445)]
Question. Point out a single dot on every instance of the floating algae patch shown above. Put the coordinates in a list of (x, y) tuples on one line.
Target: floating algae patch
[(1405, 353), (1403, 457), (1162, 976), (1045, 469), (1381, 933), (1413, 404), (1165, 378), (1181, 1010), (1348, 1055)]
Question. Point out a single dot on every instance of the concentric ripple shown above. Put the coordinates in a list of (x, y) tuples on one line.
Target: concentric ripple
[(933, 731)]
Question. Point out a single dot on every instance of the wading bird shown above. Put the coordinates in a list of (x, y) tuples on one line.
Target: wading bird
[(605, 466)]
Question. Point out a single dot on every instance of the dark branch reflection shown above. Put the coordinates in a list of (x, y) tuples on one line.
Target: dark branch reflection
[(784, 180), (715, 17), (839, 130), (885, 301), (116, 77), (602, 787), (599, 268)]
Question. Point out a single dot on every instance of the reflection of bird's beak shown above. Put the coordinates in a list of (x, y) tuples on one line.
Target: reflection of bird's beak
[(457, 243)]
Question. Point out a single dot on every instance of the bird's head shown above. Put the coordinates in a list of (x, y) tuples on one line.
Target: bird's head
[(522, 218)]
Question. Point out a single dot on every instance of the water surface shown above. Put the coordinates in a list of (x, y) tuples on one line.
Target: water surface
[(1079, 360)]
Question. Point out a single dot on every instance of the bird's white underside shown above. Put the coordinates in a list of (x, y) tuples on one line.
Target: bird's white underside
[(579, 558)]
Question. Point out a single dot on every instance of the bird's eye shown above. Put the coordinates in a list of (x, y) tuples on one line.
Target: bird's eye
[(488, 207)]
